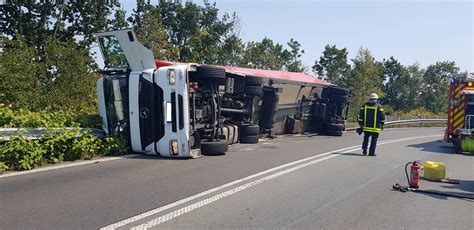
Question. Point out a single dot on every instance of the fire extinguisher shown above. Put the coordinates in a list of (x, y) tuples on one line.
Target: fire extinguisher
[(414, 173)]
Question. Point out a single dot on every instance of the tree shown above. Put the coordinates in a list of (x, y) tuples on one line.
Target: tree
[(195, 31), (45, 53), (402, 89), (333, 65), (415, 79), (149, 29), (396, 76), (119, 21), (61, 79), (18, 84), (231, 53), (265, 55), (294, 63), (435, 86), (363, 79), (65, 20)]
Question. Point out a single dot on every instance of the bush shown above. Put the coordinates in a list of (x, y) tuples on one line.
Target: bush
[(22, 118), (56, 146), (419, 112), (22, 154)]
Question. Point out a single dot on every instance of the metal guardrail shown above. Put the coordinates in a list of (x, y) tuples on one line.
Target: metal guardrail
[(36, 133), (401, 122)]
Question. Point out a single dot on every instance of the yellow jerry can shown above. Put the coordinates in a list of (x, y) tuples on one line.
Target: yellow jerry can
[(434, 170)]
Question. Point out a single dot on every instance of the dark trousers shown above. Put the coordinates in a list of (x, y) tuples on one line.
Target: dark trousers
[(373, 142)]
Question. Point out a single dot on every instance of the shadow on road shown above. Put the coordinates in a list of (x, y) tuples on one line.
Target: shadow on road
[(432, 193), (445, 193), (434, 147), (148, 157), (350, 154), (464, 185)]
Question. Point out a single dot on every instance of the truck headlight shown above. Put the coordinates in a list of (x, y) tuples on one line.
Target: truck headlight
[(174, 147), (171, 76)]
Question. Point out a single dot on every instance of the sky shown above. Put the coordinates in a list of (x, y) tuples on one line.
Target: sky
[(415, 31)]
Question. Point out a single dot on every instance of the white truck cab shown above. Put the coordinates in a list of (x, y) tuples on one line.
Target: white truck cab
[(148, 106)]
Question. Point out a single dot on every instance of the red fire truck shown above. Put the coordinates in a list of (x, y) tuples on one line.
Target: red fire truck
[(461, 113)]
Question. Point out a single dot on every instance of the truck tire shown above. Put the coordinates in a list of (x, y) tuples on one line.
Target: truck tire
[(253, 90), (249, 139), (333, 133), (250, 130), (214, 148), (210, 72), (339, 91), (334, 126), (249, 80)]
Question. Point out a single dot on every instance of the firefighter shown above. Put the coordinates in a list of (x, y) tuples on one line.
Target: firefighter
[(371, 120)]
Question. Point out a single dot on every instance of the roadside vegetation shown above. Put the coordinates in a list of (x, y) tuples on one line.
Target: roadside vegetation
[(48, 71), (57, 144)]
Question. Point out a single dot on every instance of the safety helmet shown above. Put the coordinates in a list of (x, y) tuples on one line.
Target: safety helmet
[(373, 96)]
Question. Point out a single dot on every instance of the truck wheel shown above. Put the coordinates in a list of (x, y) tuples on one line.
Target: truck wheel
[(214, 148), (249, 139), (249, 80), (333, 133), (253, 90), (334, 126), (250, 130), (207, 71)]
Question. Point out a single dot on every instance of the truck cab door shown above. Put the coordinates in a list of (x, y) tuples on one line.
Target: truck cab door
[(137, 56), (122, 52)]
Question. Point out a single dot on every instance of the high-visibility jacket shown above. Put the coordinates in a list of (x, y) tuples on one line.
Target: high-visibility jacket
[(371, 117)]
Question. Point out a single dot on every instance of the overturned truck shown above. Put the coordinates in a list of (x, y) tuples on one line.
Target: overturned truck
[(185, 110)]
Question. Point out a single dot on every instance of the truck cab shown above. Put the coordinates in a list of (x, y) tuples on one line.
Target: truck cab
[(146, 105)]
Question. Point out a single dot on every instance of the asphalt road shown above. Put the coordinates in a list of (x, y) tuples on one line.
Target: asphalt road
[(324, 190)]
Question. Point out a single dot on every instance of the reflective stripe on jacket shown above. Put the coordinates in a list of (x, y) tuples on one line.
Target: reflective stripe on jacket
[(371, 117)]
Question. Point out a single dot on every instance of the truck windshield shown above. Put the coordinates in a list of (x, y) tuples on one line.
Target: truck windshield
[(116, 103), (114, 56)]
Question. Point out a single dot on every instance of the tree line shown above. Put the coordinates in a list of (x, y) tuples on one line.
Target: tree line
[(46, 60), (402, 88)]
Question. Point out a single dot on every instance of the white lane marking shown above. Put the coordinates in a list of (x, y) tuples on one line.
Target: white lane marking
[(171, 205), (67, 165), (176, 203), (217, 197)]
